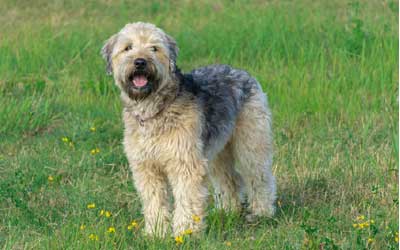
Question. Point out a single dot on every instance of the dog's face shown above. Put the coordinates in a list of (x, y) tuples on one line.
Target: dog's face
[(141, 57)]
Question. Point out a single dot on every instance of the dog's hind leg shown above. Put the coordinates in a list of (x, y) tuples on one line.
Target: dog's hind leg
[(252, 150), (226, 181)]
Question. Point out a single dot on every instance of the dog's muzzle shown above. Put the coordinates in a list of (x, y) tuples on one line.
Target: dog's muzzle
[(140, 77)]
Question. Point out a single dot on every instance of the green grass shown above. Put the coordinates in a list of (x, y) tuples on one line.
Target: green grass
[(330, 69)]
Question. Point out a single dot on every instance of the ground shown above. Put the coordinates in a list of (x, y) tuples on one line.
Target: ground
[(330, 69)]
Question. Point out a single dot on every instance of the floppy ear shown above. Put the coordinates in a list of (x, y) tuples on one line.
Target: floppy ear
[(106, 52), (173, 52)]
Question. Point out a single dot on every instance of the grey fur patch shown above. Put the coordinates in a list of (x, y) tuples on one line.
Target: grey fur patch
[(173, 51), (221, 90)]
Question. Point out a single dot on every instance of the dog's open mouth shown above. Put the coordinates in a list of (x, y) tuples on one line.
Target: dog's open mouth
[(139, 79)]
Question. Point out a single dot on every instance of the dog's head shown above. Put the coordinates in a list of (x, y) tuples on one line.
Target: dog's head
[(141, 57)]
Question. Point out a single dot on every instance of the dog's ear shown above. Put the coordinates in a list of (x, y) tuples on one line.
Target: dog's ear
[(106, 52), (173, 52)]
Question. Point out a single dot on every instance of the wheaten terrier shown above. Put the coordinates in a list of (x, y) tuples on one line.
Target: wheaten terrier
[(182, 130)]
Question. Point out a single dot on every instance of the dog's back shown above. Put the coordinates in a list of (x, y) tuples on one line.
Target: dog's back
[(221, 91)]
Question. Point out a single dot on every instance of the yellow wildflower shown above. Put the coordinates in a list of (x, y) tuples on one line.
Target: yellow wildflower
[(94, 151), (361, 217), (179, 240), (228, 243), (370, 240), (105, 213), (133, 224), (93, 237), (396, 237), (111, 230), (91, 205), (50, 178), (196, 218), (364, 224), (82, 227), (187, 232), (65, 139), (93, 129)]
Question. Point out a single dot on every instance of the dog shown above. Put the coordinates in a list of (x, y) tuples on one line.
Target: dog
[(184, 130)]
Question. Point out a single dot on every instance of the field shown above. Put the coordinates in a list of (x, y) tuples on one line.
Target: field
[(330, 69)]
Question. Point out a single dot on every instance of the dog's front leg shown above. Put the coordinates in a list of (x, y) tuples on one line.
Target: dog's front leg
[(152, 187), (188, 182)]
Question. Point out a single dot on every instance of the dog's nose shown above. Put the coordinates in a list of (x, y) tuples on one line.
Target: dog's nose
[(140, 63)]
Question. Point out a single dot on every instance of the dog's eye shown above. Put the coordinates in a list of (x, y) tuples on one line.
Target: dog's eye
[(153, 48), (129, 47)]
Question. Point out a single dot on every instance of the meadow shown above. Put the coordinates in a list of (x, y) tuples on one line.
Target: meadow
[(330, 69)]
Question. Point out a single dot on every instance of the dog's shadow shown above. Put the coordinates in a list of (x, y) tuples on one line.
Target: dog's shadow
[(293, 204)]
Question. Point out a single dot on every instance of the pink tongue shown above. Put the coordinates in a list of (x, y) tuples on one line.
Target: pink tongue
[(139, 81)]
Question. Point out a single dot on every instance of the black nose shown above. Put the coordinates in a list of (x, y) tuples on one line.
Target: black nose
[(140, 63)]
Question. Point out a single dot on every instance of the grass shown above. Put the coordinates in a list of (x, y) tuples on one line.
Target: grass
[(330, 69)]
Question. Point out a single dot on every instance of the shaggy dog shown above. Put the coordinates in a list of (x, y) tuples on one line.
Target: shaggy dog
[(182, 130)]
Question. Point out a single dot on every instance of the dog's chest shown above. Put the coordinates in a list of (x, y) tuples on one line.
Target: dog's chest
[(161, 139), (148, 141)]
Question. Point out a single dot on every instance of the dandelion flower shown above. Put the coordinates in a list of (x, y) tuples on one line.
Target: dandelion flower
[(228, 243), (91, 205), (93, 129), (65, 139), (196, 218), (361, 217), (133, 224), (111, 230), (82, 227), (396, 237), (50, 178), (365, 224), (94, 151), (179, 240), (187, 232), (93, 237), (105, 213)]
